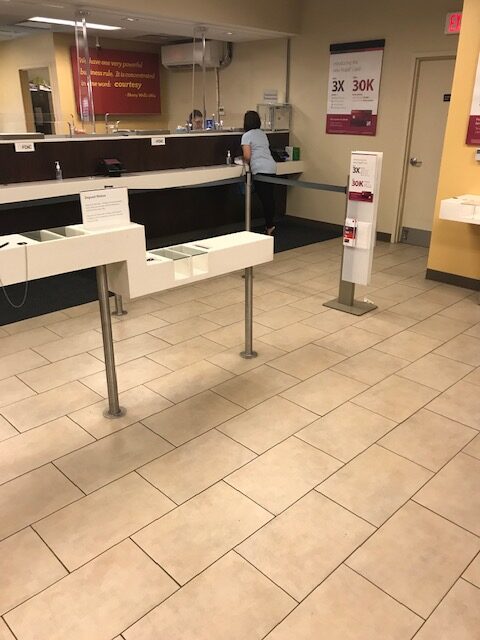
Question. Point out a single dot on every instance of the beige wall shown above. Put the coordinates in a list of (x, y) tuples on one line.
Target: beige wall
[(67, 94), (255, 66), (455, 247), (23, 54), (411, 28)]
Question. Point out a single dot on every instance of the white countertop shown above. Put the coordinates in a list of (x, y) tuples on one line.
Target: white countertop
[(165, 179), (465, 208)]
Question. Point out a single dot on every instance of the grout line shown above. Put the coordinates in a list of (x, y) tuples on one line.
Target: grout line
[(440, 515), (152, 558)]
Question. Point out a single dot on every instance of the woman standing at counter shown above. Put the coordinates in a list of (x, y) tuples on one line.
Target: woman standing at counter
[(256, 151)]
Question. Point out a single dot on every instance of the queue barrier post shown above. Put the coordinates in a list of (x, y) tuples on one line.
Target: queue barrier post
[(248, 353)]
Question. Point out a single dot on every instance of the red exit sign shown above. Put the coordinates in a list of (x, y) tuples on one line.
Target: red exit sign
[(453, 22)]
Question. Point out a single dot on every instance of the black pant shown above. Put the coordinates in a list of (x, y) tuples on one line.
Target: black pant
[(265, 191)]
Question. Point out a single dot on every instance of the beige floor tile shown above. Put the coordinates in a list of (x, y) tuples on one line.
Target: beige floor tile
[(395, 398), (281, 317), (473, 449), (47, 406), (305, 543), (234, 334), (435, 371), (408, 345), (77, 607), (461, 402), (112, 457), (33, 496), (139, 403), (313, 304), (428, 439), (19, 362), (398, 292), (184, 330), (127, 328), (307, 361), (283, 474), (370, 366), (68, 347), (27, 566), (467, 310), (416, 538), (221, 284), (39, 446), (192, 417), (349, 341), (79, 532), (58, 373), (453, 493), (346, 431), (183, 311), (474, 331), (278, 267), (195, 466), (185, 353), (472, 574), (255, 386), (13, 390), (440, 327), (141, 306), (5, 633), (226, 299), (190, 538), (132, 348), (267, 424), (203, 609), (72, 326), (129, 375), (324, 392), (375, 484), (417, 308), (474, 377), (293, 337), (179, 295), (385, 323), (457, 616), (330, 321), (231, 360), (26, 340), (82, 309), (6, 429), (189, 381), (446, 294), (33, 323), (275, 299), (348, 607), (463, 348), (229, 315)]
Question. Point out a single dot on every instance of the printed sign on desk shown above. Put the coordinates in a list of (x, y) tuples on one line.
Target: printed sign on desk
[(123, 82), (354, 87), (473, 133), (105, 208)]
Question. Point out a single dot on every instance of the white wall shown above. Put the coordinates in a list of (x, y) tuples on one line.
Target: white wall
[(410, 28)]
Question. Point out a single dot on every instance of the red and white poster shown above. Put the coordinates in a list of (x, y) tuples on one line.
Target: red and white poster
[(123, 82), (473, 133), (354, 87)]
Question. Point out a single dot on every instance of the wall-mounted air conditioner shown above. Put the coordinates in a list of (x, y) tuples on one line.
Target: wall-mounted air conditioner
[(183, 56)]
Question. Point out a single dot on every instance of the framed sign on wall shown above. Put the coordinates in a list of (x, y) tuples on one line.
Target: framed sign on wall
[(123, 82), (354, 87)]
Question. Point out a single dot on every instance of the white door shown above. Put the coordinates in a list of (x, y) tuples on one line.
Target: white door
[(429, 122)]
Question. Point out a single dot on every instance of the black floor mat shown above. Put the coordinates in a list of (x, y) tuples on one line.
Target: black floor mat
[(71, 289)]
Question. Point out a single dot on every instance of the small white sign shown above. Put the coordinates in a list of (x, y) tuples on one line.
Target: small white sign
[(270, 96), (158, 141), (23, 147), (105, 208)]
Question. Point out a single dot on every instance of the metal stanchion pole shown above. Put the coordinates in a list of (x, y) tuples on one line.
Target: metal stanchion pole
[(119, 310), (248, 352), (114, 409)]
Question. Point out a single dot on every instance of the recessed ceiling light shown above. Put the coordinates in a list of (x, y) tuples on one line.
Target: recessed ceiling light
[(229, 33), (71, 23), (131, 19)]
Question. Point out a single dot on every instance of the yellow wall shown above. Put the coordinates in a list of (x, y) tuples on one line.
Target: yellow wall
[(411, 28), (455, 247), (63, 43), (23, 53), (256, 66)]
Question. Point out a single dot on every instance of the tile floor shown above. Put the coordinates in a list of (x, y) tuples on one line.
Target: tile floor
[(329, 488)]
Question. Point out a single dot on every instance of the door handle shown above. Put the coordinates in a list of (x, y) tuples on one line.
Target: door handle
[(415, 163)]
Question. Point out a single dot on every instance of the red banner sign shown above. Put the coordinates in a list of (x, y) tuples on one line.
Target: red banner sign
[(123, 82)]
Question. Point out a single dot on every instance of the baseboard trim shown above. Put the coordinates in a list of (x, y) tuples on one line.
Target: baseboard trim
[(453, 278), (417, 237), (384, 237), (336, 228)]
